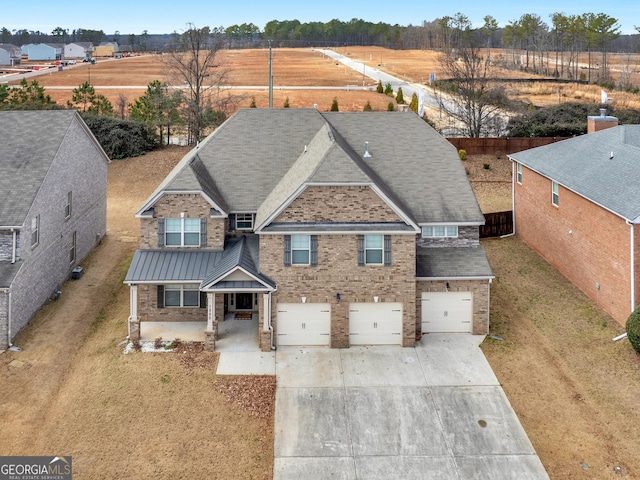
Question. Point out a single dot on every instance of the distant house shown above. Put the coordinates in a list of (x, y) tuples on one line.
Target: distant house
[(45, 52), (10, 54), (105, 49), (53, 177), (577, 203), (78, 50), (331, 228)]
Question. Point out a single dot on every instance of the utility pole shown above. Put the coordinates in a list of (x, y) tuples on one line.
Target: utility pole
[(270, 77)]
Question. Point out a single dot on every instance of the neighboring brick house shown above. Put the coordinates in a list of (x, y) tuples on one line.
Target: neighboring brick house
[(577, 203), (334, 229), (53, 181)]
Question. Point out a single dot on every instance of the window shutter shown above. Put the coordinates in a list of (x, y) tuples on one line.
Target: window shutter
[(203, 299), (360, 250), (203, 232), (160, 296), (232, 222), (161, 232), (313, 254), (287, 250), (387, 250)]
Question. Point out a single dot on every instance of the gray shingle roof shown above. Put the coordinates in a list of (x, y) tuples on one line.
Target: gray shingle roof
[(257, 159), (29, 144), (8, 272), (452, 262), (584, 165)]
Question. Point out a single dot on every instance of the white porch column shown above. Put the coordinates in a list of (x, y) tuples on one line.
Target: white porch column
[(211, 310), (266, 297), (133, 302)]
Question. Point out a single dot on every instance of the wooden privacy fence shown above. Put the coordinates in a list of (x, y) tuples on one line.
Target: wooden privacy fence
[(504, 145), (497, 224)]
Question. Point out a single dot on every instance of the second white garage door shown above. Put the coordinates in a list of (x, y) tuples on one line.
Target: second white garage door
[(375, 324), (304, 324), (447, 312)]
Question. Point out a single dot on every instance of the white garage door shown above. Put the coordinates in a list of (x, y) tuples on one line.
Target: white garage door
[(375, 324), (304, 324), (447, 312)]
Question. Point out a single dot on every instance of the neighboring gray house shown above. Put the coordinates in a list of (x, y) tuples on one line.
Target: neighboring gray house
[(323, 228), (45, 51), (78, 50), (53, 182), (10, 54)]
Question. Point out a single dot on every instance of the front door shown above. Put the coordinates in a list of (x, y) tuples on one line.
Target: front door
[(244, 301)]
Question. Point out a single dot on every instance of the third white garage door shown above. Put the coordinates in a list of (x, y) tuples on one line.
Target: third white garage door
[(447, 312), (304, 324), (375, 324)]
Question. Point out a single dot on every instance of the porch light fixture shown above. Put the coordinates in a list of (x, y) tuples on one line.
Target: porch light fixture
[(375, 299), (304, 299), (338, 297), (448, 287)]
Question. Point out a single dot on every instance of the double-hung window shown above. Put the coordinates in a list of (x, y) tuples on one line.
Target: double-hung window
[(72, 248), (181, 295), (244, 221), (374, 250), (182, 232), (519, 173), (67, 205), (554, 193), (35, 231), (440, 231), (300, 250)]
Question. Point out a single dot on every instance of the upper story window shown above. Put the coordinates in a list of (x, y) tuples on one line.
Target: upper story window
[(300, 250), (182, 232), (244, 221), (554, 193), (67, 205), (519, 173), (35, 231), (440, 231), (374, 250)]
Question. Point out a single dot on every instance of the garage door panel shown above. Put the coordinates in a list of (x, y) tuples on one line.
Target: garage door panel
[(303, 324), (447, 312), (375, 324)]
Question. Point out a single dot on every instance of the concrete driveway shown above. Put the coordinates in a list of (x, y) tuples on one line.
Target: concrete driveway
[(435, 411)]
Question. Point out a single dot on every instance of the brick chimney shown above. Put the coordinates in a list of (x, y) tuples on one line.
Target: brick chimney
[(597, 123)]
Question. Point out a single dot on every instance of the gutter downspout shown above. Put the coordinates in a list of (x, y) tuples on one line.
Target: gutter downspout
[(269, 326), (513, 199), (9, 322), (632, 262)]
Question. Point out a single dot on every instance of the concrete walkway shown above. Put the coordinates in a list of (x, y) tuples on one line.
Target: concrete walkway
[(435, 411)]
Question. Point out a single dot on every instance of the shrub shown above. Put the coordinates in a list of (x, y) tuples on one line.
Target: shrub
[(400, 97), (388, 90), (414, 104), (498, 154), (379, 88), (334, 105), (286, 102), (486, 166), (633, 329), (390, 107), (367, 107), (253, 103), (462, 154), (121, 138), (157, 343)]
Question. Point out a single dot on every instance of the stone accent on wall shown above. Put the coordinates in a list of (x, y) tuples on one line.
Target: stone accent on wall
[(468, 236), (134, 330), (193, 206), (338, 204), (210, 340), (480, 290)]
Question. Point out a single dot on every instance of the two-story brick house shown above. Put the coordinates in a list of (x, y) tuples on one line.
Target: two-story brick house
[(53, 207), (577, 203), (332, 229)]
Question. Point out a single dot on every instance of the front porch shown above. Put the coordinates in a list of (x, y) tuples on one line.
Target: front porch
[(236, 333)]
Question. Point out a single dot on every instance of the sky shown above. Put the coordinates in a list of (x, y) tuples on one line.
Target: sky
[(161, 16)]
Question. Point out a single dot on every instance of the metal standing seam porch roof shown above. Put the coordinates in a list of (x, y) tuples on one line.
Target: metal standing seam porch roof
[(207, 267)]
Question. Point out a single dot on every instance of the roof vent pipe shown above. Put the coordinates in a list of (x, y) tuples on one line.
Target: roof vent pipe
[(366, 150)]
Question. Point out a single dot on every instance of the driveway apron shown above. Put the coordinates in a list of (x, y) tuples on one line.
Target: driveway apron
[(435, 411)]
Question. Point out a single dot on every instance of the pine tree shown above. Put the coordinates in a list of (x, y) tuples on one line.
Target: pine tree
[(379, 88), (334, 105), (400, 97), (367, 107)]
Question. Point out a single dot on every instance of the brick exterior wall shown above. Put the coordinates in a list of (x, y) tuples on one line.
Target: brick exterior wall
[(193, 206), (338, 272), (148, 310), (480, 290), (586, 243), (80, 168), (467, 237), (338, 204)]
